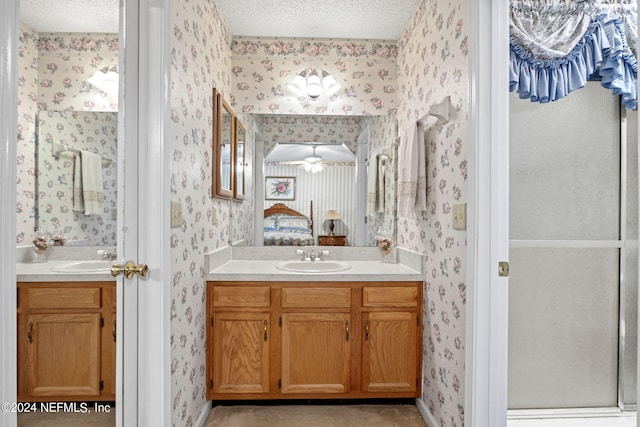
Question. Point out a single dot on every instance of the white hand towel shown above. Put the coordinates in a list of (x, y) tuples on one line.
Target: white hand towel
[(380, 184), (372, 185), (412, 173), (78, 199), (92, 184)]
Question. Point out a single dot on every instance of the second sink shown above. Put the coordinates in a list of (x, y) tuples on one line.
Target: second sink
[(313, 266), (84, 267)]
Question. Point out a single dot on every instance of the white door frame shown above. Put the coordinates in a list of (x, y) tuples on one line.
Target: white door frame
[(145, 382), (488, 215), (8, 152), (143, 377)]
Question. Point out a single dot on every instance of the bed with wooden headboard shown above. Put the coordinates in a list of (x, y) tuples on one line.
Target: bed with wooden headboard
[(284, 226)]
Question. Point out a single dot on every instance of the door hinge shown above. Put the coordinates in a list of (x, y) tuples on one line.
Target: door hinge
[(279, 384), (503, 269), (101, 385)]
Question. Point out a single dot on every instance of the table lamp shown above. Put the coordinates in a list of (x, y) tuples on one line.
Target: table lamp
[(331, 215)]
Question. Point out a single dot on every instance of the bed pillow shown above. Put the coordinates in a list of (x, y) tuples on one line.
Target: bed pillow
[(270, 224), (293, 223)]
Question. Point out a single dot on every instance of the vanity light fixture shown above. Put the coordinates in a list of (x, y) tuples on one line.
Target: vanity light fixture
[(106, 79), (313, 83), (331, 216)]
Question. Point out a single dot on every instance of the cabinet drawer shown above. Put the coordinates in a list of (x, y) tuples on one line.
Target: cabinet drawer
[(316, 297), (390, 297), (64, 297), (241, 296)]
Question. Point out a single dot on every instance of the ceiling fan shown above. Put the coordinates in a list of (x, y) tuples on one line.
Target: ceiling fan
[(306, 156)]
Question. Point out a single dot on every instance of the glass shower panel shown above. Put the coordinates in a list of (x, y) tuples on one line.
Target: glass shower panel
[(563, 328)]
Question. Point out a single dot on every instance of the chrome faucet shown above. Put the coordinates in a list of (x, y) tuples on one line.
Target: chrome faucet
[(105, 254), (311, 256)]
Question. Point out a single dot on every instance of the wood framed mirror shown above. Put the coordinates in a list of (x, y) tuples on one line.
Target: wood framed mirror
[(239, 161), (223, 137)]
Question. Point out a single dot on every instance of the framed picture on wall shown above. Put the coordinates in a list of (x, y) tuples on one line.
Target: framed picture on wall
[(280, 188)]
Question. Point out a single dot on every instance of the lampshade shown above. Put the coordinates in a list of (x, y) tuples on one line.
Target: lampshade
[(332, 214)]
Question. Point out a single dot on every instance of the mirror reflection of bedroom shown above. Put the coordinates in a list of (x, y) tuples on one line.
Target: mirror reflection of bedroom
[(328, 180)]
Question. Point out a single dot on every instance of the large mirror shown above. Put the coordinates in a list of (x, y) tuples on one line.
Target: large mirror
[(223, 137), (76, 176), (67, 95), (353, 191)]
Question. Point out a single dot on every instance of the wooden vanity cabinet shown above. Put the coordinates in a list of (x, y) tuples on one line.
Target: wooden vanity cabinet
[(66, 347), (313, 340)]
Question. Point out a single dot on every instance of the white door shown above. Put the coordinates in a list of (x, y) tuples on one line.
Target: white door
[(488, 215), (143, 385)]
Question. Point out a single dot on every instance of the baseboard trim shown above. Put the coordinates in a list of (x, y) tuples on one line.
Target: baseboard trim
[(204, 414), (524, 414), (424, 411)]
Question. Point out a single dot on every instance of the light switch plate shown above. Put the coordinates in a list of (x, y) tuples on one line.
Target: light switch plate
[(459, 216), (176, 214)]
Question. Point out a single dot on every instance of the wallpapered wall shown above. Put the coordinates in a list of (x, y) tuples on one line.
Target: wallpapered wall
[(53, 69), (432, 64), (200, 60), (365, 69), (382, 137), (292, 128)]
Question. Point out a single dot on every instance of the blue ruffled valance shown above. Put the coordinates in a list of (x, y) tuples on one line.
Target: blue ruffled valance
[(602, 51)]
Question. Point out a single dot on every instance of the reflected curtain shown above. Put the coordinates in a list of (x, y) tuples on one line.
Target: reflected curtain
[(557, 45)]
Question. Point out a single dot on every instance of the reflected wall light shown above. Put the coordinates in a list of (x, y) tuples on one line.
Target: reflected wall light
[(312, 83), (106, 79)]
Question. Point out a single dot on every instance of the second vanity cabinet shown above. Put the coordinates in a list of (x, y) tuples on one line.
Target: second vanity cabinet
[(288, 340), (66, 341)]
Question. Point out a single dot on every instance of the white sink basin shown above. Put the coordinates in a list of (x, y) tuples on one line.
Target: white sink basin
[(84, 267), (313, 266)]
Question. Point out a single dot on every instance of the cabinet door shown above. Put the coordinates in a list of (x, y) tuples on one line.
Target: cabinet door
[(64, 354), (241, 352), (315, 352), (389, 352)]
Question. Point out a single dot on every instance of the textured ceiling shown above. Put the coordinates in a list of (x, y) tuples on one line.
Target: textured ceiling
[(70, 16), (357, 19)]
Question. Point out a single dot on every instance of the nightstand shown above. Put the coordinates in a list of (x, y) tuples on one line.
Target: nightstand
[(332, 240)]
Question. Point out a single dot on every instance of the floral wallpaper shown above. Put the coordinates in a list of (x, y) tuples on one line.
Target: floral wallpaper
[(26, 150), (365, 69), (96, 132), (383, 132), (53, 69), (292, 128), (200, 60), (432, 64)]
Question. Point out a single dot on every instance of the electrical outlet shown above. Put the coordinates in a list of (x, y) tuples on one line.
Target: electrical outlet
[(214, 216), (176, 214), (459, 213)]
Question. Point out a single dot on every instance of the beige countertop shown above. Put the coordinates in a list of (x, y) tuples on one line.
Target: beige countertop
[(251, 264)]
